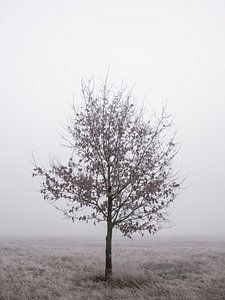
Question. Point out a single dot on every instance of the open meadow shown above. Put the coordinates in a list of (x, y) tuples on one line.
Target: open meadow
[(143, 269)]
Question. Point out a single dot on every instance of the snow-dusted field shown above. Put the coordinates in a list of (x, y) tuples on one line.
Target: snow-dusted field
[(72, 269)]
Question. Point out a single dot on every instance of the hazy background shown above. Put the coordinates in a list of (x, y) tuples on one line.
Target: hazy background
[(170, 49)]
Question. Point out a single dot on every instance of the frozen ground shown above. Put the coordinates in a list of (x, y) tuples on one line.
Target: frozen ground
[(72, 269)]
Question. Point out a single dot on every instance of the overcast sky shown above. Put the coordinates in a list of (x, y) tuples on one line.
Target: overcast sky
[(172, 50)]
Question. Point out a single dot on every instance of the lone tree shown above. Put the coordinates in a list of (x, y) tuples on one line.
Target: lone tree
[(120, 169)]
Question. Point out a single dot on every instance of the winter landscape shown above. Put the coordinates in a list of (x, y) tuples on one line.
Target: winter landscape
[(112, 114)]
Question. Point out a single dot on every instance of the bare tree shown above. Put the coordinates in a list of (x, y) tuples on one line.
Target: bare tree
[(120, 170)]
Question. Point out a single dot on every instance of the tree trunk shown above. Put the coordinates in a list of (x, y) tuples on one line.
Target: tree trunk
[(108, 252), (108, 248)]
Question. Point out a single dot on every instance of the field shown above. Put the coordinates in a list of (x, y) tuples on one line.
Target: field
[(72, 269)]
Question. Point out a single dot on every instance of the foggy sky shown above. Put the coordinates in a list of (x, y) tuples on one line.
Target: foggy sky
[(171, 50)]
